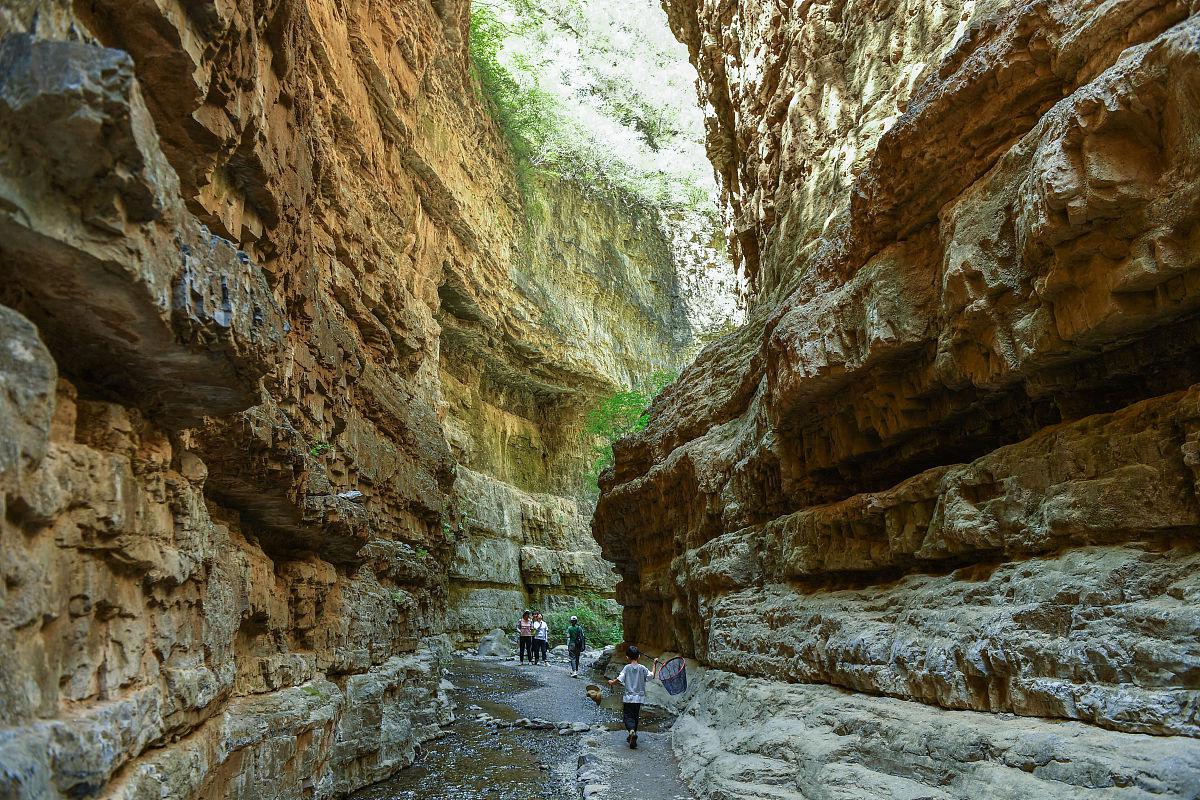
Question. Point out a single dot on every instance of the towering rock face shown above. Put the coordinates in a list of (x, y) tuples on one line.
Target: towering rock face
[(590, 303), (265, 281), (948, 472)]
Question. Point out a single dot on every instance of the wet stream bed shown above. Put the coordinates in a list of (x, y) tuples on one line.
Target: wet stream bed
[(477, 761)]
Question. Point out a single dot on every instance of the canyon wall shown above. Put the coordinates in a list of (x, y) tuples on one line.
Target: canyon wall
[(590, 304), (930, 518), (267, 288)]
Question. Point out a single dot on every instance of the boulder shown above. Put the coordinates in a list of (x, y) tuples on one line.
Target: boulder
[(496, 645)]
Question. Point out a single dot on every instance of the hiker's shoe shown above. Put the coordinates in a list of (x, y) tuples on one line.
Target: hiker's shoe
[(574, 674), (633, 741)]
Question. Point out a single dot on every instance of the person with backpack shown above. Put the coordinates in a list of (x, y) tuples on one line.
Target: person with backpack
[(575, 643), (525, 635)]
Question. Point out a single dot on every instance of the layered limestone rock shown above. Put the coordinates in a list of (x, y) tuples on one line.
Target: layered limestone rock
[(951, 460), (590, 305), (242, 249), (518, 550)]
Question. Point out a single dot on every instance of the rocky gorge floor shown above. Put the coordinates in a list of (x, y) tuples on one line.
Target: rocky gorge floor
[(530, 732)]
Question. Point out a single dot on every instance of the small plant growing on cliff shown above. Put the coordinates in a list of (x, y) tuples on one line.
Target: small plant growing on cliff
[(618, 415), (319, 448)]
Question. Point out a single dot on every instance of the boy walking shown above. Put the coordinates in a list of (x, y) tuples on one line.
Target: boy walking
[(575, 641), (633, 677)]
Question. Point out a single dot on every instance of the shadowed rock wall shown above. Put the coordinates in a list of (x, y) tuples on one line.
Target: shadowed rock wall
[(265, 280), (951, 459)]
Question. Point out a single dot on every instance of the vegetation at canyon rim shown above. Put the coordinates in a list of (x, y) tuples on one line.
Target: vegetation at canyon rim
[(602, 95), (600, 624), (619, 414), (556, 76)]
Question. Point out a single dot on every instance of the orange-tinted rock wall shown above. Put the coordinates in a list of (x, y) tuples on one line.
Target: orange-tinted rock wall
[(245, 248)]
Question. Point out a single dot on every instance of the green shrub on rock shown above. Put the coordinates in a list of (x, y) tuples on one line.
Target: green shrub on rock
[(600, 626), (616, 416)]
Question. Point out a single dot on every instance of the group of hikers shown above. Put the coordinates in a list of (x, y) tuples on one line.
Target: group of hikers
[(533, 634)]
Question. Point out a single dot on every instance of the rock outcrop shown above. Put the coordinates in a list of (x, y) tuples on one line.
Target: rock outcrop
[(517, 550), (266, 288), (950, 464)]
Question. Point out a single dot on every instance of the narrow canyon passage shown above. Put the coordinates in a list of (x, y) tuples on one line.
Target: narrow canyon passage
[(529, 733), (318, 322), (849, 349)]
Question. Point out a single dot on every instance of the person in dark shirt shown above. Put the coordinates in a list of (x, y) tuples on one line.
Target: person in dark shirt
[(575, 643)]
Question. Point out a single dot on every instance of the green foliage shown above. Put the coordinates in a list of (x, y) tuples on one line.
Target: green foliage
[(523, 113), (319, 448), (599, 626), (618, 415), (567, 84)]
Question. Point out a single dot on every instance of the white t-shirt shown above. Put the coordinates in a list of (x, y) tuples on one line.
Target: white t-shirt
[(633, 677), (541, 630)]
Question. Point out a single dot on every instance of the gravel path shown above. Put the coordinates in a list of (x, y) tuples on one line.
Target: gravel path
[(480, 761), (608, 768)]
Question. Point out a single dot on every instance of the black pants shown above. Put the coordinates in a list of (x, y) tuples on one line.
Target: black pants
[(527, 648), (541, 648), (574, 658), (631, 712)]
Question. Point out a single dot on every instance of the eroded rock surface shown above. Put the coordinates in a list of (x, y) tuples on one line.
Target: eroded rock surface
[(517, 550), (267, 289), (589, 303), (951, 460)]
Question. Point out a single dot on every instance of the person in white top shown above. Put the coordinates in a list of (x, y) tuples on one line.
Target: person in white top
[(541, 639), (633, 677)]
